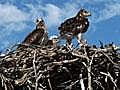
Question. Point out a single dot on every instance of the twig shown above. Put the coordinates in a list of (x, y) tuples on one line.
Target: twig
[(82, 83), (39, 68)]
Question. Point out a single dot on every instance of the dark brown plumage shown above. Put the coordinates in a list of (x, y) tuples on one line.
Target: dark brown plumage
[(75, 26), (36, 37), (39, 36)]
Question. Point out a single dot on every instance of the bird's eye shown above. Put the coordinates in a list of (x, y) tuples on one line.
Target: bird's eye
[(85, 11)]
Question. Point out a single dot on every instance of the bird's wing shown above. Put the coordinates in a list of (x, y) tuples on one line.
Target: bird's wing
[(34, 37), (44, 39), (67, 26), (67, 23)]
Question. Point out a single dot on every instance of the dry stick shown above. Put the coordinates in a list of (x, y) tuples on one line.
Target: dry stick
[(89, 66), (108, 74), (82, 83), (48, 68), (105, 49), (49, 84), (11, 86), (66, 82), (89, 70), (37, 79), (111, 78), (65, 61), (21, 80), (110, 59), (89, 75), (2, 81), (99, 83), (36, 85), (28, 87), (72, 84), (5, 86)]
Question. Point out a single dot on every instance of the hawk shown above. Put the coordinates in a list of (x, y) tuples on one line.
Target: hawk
[(53, 41), (75, 26), (39, 36)]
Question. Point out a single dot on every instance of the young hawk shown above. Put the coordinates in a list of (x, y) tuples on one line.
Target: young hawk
[(39, 36), (75, 26)]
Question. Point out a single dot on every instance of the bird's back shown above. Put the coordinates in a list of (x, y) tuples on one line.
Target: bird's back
[(35, 37)]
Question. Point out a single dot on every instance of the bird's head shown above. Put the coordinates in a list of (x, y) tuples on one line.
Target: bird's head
[(39, 20), (54, 39), (40, 23), (83, 13)]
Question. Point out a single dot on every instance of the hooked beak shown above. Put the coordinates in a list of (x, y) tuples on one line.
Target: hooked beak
[(89, 14)]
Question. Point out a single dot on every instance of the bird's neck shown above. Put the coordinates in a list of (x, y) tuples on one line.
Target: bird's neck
[(41, 27), (79, 18)]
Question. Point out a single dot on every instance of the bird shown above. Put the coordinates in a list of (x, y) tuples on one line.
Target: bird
[(75, 27), (53, 41), (38, 36)]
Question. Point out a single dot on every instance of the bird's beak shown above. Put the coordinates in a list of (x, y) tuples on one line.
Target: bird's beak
[(89, 14)]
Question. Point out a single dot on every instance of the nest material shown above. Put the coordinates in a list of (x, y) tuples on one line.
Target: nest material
[(49, 68)]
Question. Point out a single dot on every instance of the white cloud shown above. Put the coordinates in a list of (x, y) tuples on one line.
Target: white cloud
[(109, 11), (51, 13), (10, 13), (17, 27), (70, 9), (54, 14), (35, 11), (12, 18)]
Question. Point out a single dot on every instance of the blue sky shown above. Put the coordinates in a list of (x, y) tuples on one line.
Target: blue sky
[(17, 18)]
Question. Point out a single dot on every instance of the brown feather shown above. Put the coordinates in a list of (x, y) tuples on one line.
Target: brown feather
[(71, 24), (39, 36)]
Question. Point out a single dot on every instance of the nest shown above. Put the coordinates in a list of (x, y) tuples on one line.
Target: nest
[(57, 68)]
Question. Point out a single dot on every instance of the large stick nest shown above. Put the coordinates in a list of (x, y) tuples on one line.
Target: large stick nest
[(49, 68)]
